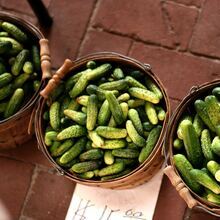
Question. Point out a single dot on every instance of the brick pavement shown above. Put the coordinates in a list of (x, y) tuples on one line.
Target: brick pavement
[(179, 38)]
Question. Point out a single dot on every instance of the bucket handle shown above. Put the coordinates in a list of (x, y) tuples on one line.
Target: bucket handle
[(180, 187), (56, 78), (185, 193), (45, 59)]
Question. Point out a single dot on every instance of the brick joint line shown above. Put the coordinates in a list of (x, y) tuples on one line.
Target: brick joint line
[(88, 25)]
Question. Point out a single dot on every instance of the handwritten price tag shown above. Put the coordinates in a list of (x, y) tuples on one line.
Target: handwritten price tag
[(91, 203)]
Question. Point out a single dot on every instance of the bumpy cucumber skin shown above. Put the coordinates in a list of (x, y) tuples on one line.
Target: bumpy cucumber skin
[(71, 132), (19, 62), (54, 114), (93, 154), (49, 137), (6, 91), (134, 83), (192, 144), (115, 108), (96, 139), (85, 166), (151, 113), (5, 78), (114, 144), (62, 148), (204, 179), (133, 134), (134, 117), (143, 94), (118, 73), (28, 67), (14, 103), (111, 133), (20, 80), (206, 145), (184, 166), (78, 117), (5, 47), (154, 88), (16, 46), (150, 143), (215, 147), (213, 167), (104, 113), (16, 32), (112, 169), (74, 151), (92, 112), (179, 129), (125, 153), (198, 124), (201, 109), (108, 157), (118, 85)]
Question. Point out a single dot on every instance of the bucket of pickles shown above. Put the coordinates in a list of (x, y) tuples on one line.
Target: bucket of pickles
[(20, 76), (101, 121)]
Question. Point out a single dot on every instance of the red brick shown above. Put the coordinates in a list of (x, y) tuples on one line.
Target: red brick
[(50, 197), (169, 206), (183, 27), (27, 152), (195, 215), (177, 71), (69, 23), (197, 3), (21, 5), (206, 38), (134, 18), (15, 179), (97, 41)]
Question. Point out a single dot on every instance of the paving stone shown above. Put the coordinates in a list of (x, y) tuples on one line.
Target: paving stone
[(195, 215), (170, 205), (206, 38), (177, 71), (67, 31), (134, 18), (28, 152), (21, 5), (49, 198), (98, 41), (183, 27), (15, 178), (197, 3)]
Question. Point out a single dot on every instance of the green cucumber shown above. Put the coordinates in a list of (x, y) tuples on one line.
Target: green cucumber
[(91, 64), (5, 47), (49, 137), (184, 167), (54, 114), (179, 129), (6, 91), (108, 157), (28, 67), (20, 80), (124, 108), (198, 124), (110, 177), (62, 148), (14, 103), (92, 112), (83, 100), (133, 134), (201, 110), (19, 62), (134, 117), (215, 147), (213, 167), (150, 143), (85, 166), (178, 144), (118, 73), (115, 107), (112, 169), (114, 144), (151, 113), (154, 88), (5, 78), (143, 94), (216, 92), (134, 103), (16, 46), (147, 126), (104, 113), (71, 132), (192, 144), (125, 153), (78, 117), (206, 145), (204, 179), (96, 139), (115, 85), (132, 82), (123, 97), (74, 151), (16, 32), (87, 175), (93, 154), (111, 133)]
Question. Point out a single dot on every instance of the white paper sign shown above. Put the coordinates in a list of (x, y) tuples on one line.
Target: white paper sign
[(92, 203)]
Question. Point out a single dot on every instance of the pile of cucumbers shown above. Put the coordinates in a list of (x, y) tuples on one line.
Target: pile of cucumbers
[(19, 68), (197, 147), (103, 120)]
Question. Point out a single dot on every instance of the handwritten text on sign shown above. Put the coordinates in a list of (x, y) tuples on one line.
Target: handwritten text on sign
[(91, 203)]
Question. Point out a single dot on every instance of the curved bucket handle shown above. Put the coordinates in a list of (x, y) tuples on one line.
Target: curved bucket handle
[(185, 193)]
